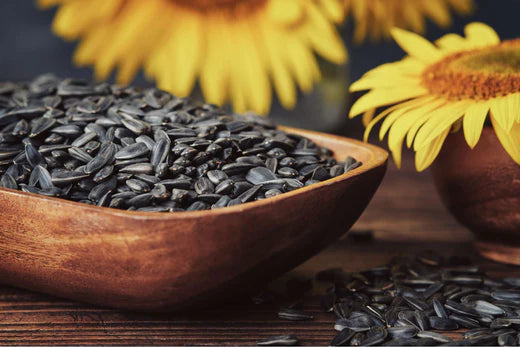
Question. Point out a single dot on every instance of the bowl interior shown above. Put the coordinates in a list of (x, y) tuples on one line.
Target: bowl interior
[(371, 157)]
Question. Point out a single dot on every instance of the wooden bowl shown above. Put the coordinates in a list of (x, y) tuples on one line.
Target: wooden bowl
[(481, 188), (164, 261)]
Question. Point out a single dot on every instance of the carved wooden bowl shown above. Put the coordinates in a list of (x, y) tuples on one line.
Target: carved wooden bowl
[(164, 261), (481, 188)]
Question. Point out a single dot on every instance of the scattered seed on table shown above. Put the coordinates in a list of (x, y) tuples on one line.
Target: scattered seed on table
[(281, 340)]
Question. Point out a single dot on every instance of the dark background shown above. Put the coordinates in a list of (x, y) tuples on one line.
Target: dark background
[(28, 48)]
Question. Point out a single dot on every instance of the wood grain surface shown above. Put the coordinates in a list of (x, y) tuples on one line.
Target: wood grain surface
[(406, 216)]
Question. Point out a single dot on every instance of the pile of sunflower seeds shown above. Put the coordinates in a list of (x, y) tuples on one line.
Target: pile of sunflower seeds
[(413, 301), (147, 150)]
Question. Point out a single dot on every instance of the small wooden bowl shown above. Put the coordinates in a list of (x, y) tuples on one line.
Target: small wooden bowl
[(164, 261), (481, 188)]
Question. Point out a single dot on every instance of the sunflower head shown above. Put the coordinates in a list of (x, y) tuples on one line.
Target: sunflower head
[(376, 18), (456, 83), (237, 50)]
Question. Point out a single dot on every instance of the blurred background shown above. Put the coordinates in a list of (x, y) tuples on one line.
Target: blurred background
[(29, 48)]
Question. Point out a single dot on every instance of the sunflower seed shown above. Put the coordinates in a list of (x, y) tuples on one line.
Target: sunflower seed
[(33, 155), (295, 315), (434, 336), (506, 340), (439, 309), (65, 177), (133, 151), (138, 168), (374, 336), (343, 337), (460, 309), (103, 174), (8, 181), (443, 323), (79, 154), (259, 175), (404, 332), (464, 321), (281, 340)]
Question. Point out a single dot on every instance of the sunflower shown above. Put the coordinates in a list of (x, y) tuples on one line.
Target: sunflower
[(456, 83), (236, 49), (376, 18)]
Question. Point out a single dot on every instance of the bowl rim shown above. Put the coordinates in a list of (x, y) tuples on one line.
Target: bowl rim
[(378, 157)]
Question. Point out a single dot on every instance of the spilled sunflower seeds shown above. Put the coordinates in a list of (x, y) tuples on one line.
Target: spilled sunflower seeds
[(416, 301)]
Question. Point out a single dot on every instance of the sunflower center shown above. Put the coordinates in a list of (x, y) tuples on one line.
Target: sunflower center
[(478, 74), (227, 5)]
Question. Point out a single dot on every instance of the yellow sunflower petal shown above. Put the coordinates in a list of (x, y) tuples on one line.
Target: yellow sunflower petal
[(369, 82), (75, 17), (255, 75), (514, 105), (214, 79), (416, 19), (280, 72), (377, 98), (473, 122), (502, 112), (439, 121), (333, 9), (298, 62), (401, 127), (375, 120), (410, 137), (403, 108), (427, 154), (323, 36), (368, 116), (184, 55), (462, 6), (438, 11), (285, 12), (408, 67), (452, 42), (481, 34), (510, 140), (416, 46)]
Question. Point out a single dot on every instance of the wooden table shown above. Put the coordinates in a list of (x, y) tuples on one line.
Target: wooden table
[(405, 215)]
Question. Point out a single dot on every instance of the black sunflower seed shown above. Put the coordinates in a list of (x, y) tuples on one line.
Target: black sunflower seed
[(343, 337), (33, 155), (103, 174), (79, 154), (464, 321), (133, 151), (281, 340), (403, 332), (138, 168), (62, 178), (460, 309), (439, 309), (443, 323), (295, 315), (260, 175), (84, 139), (8, 181), (434, 336)]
